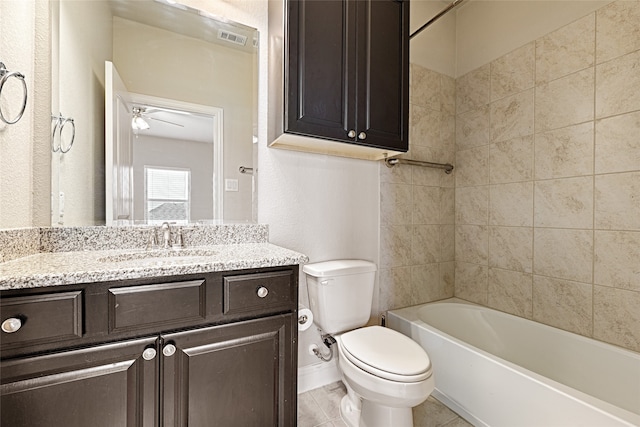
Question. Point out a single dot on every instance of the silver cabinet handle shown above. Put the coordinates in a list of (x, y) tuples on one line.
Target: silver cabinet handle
[(169, 350), (262, 292), (149, 354), (352, 134), (11, 325), (362, 135)]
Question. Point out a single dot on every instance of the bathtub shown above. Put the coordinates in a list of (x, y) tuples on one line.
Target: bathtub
[(495, 369)]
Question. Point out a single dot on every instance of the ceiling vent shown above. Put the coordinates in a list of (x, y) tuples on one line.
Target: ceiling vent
[(232, 37)]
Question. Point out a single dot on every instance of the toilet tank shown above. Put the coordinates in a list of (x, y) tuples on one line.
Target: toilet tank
[(340, 293)]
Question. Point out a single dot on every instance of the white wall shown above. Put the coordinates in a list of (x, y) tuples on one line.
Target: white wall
[(24, 150), (435, 47), (486, 30)]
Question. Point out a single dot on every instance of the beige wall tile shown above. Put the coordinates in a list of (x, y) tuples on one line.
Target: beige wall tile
[(472, 244), (395, 175), (420, 174), (616, 318), (566, 254), (425, 87), (511, 248), (472, 166), (472, 128), (511, 161), (565, 101), (510, 291), (472, 205), (617, 259), (512, 116), (395, 288), (471, 282), (447, 277), (513, 72), (424, 126), (427, 284), (447, 206), (563, 304), (473, 89), (395, 204), (395, 246), (564, 203), (618, 201), (425, 244), (511, 204), (447, 143), (426, 205), (617, 83), (618, 29), (618, 143), (447, 94), (567, 50), (564, 152), (447, 243)]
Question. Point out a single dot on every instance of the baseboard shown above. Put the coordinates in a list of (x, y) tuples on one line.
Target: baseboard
[(317, 375)]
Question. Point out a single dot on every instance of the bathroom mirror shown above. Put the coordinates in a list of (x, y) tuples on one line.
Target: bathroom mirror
[(180, 121)]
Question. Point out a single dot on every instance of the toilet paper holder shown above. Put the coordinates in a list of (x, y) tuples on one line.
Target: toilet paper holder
[(305, 318)]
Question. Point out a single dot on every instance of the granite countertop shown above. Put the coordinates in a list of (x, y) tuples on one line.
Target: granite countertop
[(64, 268)]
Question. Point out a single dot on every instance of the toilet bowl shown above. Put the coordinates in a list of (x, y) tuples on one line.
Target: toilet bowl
[(385, 372)]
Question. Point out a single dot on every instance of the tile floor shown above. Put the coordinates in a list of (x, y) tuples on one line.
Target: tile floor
[(320, 408)]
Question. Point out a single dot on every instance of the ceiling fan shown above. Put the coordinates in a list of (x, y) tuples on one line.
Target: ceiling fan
[(141, 114)]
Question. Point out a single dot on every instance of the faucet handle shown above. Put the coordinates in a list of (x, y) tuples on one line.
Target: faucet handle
[(153, 239), (179, 240)]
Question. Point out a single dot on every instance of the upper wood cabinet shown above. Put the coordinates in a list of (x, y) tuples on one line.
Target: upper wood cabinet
[(344, 76)]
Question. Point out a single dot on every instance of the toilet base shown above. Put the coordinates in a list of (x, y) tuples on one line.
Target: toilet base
[(374, 415), (349, 412)]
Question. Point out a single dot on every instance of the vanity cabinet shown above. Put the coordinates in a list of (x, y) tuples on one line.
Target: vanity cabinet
[(197, 350), (346, 75)]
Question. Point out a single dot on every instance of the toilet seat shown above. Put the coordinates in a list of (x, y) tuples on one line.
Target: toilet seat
[(386, 353)]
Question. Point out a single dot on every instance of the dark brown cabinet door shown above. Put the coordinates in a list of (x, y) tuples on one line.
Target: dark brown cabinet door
[(232, 375), (322, 66), (103, 386), (347, 76), (383, 80)]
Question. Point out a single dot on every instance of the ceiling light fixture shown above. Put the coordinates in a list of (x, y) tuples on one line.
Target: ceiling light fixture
[(137, 122)]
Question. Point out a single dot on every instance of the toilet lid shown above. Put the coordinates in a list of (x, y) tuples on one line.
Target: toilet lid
[(386, 353)]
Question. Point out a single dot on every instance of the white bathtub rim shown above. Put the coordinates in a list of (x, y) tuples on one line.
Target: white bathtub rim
[(621, 415)]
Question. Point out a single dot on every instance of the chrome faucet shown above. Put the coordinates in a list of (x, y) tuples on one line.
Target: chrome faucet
[(166, 235)]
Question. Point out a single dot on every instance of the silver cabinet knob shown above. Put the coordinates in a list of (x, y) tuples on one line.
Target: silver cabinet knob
[(11, 325), (149, 354), (362, 135), (352, 134), (262, 292), (169, 350)]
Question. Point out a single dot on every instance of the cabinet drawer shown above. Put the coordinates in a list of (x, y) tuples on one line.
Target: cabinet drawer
[(162, 304), (41, 318), (260, 293)]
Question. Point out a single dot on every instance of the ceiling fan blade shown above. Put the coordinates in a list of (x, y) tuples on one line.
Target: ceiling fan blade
[(164, 121)]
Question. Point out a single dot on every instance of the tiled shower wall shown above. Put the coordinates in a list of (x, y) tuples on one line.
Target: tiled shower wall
[(547, 195), (417, 204)]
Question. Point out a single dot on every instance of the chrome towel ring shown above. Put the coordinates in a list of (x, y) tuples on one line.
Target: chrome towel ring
[(59, 123), (5, 75)]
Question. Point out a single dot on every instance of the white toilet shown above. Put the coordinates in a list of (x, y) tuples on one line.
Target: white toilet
[(385, 372)]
